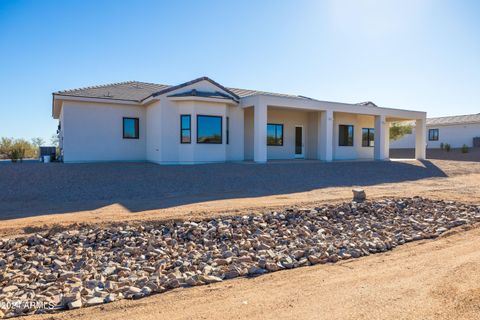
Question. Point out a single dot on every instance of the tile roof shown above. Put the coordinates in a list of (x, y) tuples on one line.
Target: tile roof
[(137, 91), (129, 91), (469, 118)]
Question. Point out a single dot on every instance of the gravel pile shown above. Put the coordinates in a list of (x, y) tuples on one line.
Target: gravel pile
[(91, 266)]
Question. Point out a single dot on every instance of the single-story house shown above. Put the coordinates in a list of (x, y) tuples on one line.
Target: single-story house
[(202, 121), (454, 130)]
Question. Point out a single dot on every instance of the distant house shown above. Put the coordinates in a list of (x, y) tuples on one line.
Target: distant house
[(454, 130), (203, 121)]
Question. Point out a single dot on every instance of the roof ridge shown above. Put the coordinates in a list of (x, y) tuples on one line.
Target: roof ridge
[(460, 115), (265, 92), (96, 87)]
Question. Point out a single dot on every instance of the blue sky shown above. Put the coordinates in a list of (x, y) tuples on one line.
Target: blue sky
[(420, 54)]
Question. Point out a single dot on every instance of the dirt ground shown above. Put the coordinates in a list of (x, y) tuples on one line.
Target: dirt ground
[(434, 279), (307, 184)]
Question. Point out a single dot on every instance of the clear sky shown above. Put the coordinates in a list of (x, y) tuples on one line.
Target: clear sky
[(412, 54)]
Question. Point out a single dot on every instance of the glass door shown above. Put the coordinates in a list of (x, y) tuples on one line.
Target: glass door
[(299, 142)]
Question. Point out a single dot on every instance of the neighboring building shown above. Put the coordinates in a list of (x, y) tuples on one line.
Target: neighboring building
[(203, 121), (454, 130)]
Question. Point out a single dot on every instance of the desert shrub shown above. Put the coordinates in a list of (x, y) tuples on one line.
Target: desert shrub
[(464, 148), (399, 129), (447, 147), (442, 146), (16, 153), (20, 148)]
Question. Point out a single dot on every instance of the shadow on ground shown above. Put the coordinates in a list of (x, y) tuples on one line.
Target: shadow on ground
[(31, 189)]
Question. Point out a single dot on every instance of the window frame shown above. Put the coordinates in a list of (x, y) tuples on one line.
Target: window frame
[(189, 128), (433, 137), (221, 128), (276, 137), (369, 130), (353, 135), (137, 128), (227, 120)]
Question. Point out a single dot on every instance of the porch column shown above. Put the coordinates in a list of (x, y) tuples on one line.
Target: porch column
[(260, 132), (387, 140), (325, 135), (420, 139), (380, 136)]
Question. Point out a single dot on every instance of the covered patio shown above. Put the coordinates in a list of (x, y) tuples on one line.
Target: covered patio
[(278, 128)]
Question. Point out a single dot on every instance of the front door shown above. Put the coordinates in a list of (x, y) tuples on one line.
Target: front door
[(299, 144)]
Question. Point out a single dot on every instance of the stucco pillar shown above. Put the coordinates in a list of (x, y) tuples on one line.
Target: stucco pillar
[(420, 139), (325, 135), (387, 140), (260, 132), (380, 137)]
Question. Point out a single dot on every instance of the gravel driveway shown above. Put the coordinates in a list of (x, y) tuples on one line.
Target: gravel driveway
[(30, 189)]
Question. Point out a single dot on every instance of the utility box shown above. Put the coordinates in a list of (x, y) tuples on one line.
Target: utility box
[(48, 151), (476, 142)]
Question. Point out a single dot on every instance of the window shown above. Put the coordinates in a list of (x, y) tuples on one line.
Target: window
[(274, 134), (433, 134), (368, 137), (185, 129), (345, 135), (228, 130), (130, 128), (209, 129)]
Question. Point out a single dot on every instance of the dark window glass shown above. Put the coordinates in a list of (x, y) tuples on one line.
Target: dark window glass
[(130, 128), (274, 134), (209, 129), (368, 137), (345, 135), (433, 134), (228, 130), (185, 128)]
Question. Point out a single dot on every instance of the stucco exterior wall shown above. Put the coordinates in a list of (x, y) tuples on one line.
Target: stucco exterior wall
[(356, 151), (154, 132), (455, 135), (164, 129), (94, 132), (289, 119)]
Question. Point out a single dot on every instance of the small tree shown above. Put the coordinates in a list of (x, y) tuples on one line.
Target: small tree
[(399, 130), (37, 143), (464, 148), (447, 147)]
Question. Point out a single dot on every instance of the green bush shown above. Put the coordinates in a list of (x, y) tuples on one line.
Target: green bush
[(447, 147), (19, 148), (464, 148), (16, 153), (442, 146)]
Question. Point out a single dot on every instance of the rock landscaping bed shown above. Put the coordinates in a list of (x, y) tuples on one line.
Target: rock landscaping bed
[(90, 266)]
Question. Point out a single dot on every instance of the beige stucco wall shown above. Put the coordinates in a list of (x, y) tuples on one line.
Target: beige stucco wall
[(163, 145), (289, 118), (358, 122), (309, 120), (94, 132)]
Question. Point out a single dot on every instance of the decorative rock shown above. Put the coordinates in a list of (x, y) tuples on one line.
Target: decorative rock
[(97, 264), (93, 301), (359, 195), (75, 304)]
